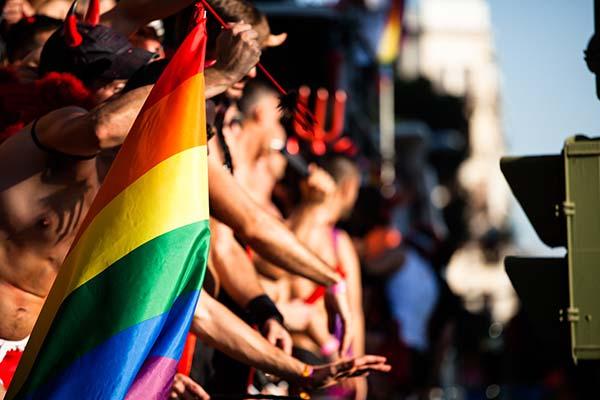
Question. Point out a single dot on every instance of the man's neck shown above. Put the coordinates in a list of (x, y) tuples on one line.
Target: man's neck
[(317, 213)]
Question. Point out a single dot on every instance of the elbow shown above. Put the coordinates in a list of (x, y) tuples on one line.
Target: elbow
[(103, 136), (202, 318), (253, 227), (100, 130)]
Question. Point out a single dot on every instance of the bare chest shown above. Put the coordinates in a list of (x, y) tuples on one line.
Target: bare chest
[(43, 212)]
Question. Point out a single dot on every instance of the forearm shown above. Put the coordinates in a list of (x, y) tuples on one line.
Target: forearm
[(238, 276), (264, 233), (78, 132), (276, 243), (112, 120), (358, 343), (268, 270), (219, 328), (216, 82), (130, 15), (358, 316)]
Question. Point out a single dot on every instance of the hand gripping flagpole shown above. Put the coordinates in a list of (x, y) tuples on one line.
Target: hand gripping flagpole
[(288, 104)]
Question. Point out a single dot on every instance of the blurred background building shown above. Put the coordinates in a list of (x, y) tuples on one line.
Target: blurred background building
[(451, 44)]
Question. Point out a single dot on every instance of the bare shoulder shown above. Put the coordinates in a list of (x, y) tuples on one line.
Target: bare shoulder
[(60, 117), (347, 253), (345, 242)]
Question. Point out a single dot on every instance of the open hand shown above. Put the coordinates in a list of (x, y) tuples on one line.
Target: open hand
[(277, 335), (185, 388), (330, 374)]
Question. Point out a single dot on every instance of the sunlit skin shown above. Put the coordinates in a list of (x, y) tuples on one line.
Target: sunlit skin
[(42, 203), (314, 221)]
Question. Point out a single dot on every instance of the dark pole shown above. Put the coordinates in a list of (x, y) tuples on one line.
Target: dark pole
[(592, 53), (596, 16)]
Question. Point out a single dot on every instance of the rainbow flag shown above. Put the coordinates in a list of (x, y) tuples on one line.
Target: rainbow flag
[(116, 319), (391, 35)]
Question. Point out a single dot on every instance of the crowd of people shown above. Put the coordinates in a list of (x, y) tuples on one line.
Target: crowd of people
[(281, 307)]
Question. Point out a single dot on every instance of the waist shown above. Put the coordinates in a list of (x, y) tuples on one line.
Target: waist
[(19, 310), (7, 346)]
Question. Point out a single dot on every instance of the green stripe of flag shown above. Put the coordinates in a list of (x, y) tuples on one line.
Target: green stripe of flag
[(139, 286)]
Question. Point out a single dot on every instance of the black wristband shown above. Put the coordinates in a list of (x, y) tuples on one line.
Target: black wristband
[(261, 309)]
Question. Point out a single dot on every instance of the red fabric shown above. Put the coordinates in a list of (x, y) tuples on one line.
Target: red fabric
[(187, 357), (183, 67), (8, 366), (320, 290), (249, 252)]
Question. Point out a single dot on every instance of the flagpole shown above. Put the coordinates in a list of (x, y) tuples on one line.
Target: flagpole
[(387, 146)]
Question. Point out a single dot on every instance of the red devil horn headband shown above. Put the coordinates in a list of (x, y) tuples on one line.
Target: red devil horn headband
[(92, 16), (72, 36)]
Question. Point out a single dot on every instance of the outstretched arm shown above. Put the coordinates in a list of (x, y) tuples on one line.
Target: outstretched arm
[(240, 281), (264, 233), (219, 328), (73, 130)]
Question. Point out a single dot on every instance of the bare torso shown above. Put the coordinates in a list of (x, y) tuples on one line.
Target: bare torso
[(320, 242), (43, 199)]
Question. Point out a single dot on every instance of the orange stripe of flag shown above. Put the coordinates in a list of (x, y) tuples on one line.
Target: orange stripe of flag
[(154, 136)]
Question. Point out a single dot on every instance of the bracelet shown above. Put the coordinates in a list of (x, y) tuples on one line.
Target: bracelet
[(308, 371), (330, 347), (338, 288), (261, 309)]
